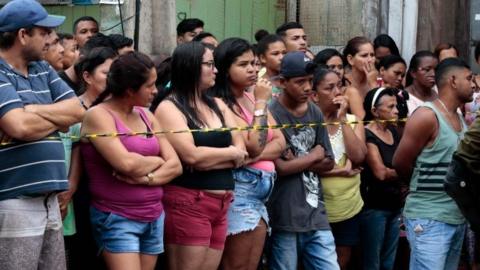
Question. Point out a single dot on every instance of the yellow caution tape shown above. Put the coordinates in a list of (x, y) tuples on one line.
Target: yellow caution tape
[(206, 130)]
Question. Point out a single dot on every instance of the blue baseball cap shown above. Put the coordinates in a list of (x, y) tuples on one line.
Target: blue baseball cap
[(296, 64), (18, 14)]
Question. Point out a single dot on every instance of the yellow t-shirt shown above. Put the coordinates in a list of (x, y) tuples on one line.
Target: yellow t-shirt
[(341, 194)]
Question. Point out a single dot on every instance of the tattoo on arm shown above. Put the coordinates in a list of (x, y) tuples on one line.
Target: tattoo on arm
[(262, 139)]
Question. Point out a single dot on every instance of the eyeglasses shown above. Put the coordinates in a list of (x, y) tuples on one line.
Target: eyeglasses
[(209, 64)]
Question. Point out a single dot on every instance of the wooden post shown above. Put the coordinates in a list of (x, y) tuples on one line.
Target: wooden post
[(163, 26), (410, 19), (395, 22), (292, 10)]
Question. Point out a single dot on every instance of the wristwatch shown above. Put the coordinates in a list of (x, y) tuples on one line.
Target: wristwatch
[(259, 112), (150, 178)]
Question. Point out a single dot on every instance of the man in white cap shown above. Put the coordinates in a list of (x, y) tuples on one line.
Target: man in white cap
[(34, 104)]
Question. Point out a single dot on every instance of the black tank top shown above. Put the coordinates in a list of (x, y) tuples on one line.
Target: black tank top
[(377, 194), (221, 179)]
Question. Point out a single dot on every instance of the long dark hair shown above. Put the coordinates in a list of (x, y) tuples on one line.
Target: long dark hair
[(186, 75), (414, 63), (225, 55), (128, 72), (384, 40)]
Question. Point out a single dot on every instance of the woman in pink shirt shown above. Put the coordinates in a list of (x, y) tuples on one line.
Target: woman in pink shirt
[(126, 172), (247, 216)]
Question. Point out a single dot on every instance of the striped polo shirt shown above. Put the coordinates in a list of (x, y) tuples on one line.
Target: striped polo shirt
[(29, 168), (427, 198)]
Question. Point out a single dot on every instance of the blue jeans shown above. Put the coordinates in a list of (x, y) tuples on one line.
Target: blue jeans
[(380, 230), (434, 244), (316, 248)]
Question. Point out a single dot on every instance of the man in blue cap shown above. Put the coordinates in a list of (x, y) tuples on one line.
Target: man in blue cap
[(300, 229), (34, 104)]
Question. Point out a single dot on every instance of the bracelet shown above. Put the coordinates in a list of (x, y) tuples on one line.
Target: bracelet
[(259, 113), (150, 178), (261, 101)]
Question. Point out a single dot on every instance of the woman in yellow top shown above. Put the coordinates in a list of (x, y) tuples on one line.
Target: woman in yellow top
[(341, 186)]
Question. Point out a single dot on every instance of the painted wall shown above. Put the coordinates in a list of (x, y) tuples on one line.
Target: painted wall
[(224, 18), (72, 13), (234, 18)]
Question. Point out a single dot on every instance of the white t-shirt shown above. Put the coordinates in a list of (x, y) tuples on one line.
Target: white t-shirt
[(413, 102)]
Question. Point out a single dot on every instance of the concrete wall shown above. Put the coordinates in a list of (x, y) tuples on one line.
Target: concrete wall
[(331, 23), (442, 21), (413, 24), (157, 23)]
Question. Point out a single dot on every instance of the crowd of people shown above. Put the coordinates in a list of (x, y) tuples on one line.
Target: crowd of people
[(370, 150)]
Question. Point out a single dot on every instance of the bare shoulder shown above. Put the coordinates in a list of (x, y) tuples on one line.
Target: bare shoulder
[(169, 115), (220, 103), (98, 119), (352, 93), (166, 104), (96, 112), (422, 126), (351, 89), (423, 117), (168, 109)]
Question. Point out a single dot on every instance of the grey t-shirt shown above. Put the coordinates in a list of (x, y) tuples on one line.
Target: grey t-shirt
[(296, 203)]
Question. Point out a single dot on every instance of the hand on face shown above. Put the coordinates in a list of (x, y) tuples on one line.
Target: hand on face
[(342, 102), (371, 73), (263, 89)]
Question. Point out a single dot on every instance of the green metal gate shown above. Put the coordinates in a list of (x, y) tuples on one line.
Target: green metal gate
[(234, 18), (72, 13)]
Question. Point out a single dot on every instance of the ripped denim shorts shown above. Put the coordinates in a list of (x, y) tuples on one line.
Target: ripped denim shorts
[(252, 189)]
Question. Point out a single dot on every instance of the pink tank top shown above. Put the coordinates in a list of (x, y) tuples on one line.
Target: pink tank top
[(108, 194), (265, 165)]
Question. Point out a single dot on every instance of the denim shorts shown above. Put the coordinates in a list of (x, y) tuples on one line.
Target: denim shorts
[(252, 189), (117, 234)]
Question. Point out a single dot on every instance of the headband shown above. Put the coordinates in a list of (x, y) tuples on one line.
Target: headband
[(375, 96)]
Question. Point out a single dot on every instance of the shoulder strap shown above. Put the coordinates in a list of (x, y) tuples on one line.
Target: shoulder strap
[(121, 127), (145, 119), (190, 122)]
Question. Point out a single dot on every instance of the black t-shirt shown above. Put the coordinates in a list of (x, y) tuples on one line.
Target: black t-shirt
[(75, 86), (377, 194)]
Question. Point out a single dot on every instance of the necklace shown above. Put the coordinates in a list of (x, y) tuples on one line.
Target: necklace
[(450, 119), (443, 105)]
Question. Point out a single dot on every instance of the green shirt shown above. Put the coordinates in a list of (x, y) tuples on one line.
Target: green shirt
[(469, 147), (427, 198), (69, 221)]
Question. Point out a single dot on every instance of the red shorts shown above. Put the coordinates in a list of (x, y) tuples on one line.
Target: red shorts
[(195, 217)]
